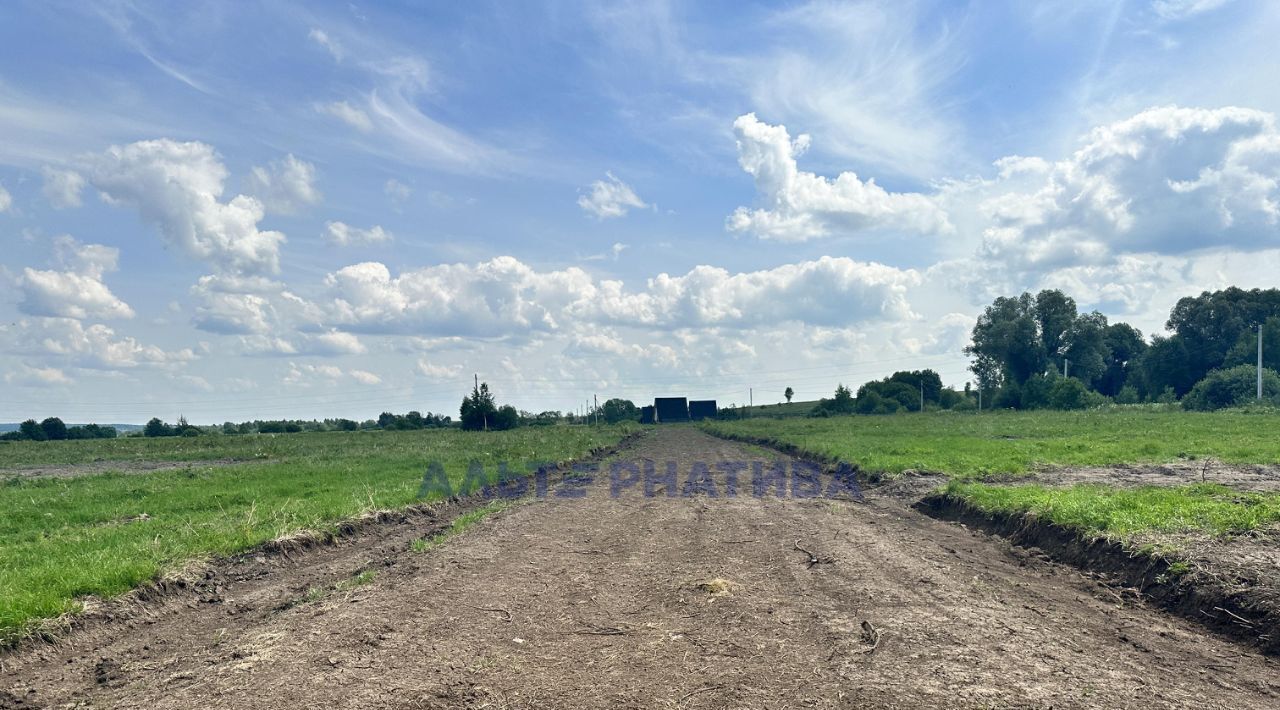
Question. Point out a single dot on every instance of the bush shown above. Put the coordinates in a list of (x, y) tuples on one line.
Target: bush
[(157, 427), (1128, 395), (1008, 397), (840, 403), (54, 429), (965, 405), (505, 418), (1232, 387), (1068, 393), (31, 429)]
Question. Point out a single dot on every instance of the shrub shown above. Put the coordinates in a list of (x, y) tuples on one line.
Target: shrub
[(54, 429), (1232, 387), (31, 429), (841, 402), (1068, 393), (1128, 395)]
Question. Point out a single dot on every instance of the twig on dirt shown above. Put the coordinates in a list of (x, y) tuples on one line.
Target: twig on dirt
[(597, 630), (494, 609), (813, 559), (1239, 619), (1204, 470), (585, 552), (736, 542), (692, 693), (871, 635)]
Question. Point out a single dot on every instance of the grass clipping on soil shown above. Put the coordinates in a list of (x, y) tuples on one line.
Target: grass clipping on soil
[(717, 587), (1109, 511)]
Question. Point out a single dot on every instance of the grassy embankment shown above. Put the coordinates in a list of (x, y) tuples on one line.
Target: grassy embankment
[(1123, 512), (63, 538), (968, 447)]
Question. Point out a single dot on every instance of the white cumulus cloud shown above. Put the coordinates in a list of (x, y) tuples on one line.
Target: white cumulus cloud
[(345, 235), (1169, 180), (178, 187), (505, 297), (76, 291), (285, 186), (62, 187), (609, 198), (365, 377), (800, 205)]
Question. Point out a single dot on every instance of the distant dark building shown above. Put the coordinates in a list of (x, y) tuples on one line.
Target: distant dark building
[(646, 415), (671, 409), (700, 409)]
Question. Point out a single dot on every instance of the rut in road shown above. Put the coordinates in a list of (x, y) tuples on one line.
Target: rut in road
[(679, 602)]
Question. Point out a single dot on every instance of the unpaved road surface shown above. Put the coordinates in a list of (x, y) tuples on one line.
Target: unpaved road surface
[(595, 602)]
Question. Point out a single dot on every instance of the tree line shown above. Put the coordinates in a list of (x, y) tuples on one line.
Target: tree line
[(1039, 351), (54, 429)]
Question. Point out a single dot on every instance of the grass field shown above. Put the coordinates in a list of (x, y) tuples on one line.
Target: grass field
[(61, 538), (969, 445), (1121, 512)]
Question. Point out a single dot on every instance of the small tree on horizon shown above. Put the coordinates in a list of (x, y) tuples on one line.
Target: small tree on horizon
[(478, 410), (789, 394)]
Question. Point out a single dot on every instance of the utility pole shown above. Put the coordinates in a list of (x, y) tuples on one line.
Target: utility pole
[(596, 397), (483, 416), (1259, 362), (1066, 367), (979, 396), (922, 396)]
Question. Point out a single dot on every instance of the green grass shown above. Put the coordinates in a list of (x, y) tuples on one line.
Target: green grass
[(781, 409), (1122, 512), (969, 445), (460, 525), (105, 534)]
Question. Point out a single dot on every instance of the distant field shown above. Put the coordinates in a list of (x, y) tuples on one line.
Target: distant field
[(61, 538), (965, 445)]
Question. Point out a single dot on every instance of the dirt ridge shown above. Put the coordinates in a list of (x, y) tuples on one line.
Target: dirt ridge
[(1235, 614)]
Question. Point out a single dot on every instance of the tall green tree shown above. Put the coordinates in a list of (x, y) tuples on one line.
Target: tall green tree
[(1124, 345), (1084, 347), (1055, 315), (54, 429), (478, 409), (619, 410), (1006, 339), (31, 429)]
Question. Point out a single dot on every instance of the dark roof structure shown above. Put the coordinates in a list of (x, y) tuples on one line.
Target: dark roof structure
[(700, 409), (671, 409)]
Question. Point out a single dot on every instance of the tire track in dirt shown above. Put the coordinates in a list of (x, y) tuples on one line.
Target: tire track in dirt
[(606, 612)]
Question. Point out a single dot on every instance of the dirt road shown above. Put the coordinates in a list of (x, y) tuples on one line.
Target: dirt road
[(595, 602)]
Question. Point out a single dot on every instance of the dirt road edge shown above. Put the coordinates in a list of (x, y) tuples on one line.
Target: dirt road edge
[(1157, 578)]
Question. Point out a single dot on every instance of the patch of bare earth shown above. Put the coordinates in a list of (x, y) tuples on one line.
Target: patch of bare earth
[(94, 468), (1262, 478), (666, 602)]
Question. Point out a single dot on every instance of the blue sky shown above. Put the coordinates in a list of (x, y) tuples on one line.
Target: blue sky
[(242, 210)]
